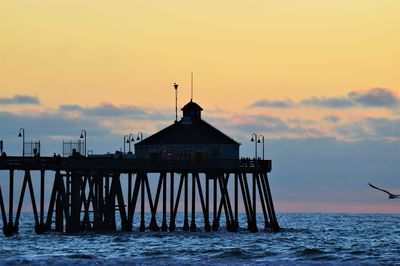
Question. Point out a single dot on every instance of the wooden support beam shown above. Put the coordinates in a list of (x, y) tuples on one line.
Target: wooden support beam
[(171, 203), (153, 205), (59, 214), (61, 205), (108, 208), (274, 221), (33, 201), (207, 226), (21, 199), (11, 200), (85, 201), (101, 194), (185, 221), (121, 202), (142, 209), (268, 205), (129, 225), (52, 202), (225, 202), (3, 210), (91, 198), (176, 206), (236, 203), (164, 226), (254, 222), (7, 227), (74, 186), (42, 193), (110, 202), (245, 198), (193, 222), (262, 200), (215, 224), (68, 194), (134, 199)]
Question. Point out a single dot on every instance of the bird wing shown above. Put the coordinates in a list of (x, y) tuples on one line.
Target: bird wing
[(380, 189)]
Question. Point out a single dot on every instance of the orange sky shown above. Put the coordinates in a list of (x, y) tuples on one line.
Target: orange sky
[(127, 52)]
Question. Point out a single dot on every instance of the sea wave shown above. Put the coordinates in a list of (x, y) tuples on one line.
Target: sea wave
[(304, 239)]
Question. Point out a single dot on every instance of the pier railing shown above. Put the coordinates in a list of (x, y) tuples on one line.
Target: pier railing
[(129, 164)]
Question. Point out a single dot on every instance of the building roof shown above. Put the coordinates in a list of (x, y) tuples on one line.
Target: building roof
[(192, 106), (198, 132), (188, 131)]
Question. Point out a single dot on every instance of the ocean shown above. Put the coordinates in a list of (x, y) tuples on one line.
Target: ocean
[(304, 239)]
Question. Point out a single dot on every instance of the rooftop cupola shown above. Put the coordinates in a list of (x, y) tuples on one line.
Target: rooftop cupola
[(192, 111)]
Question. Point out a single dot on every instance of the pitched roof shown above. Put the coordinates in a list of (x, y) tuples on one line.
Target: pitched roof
[(192, 106), (197, 132)]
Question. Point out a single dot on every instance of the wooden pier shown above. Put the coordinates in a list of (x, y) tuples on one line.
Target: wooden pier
[(87, 193)]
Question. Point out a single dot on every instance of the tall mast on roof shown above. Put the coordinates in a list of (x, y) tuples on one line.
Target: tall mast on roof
[(191, 96), (176, 102)]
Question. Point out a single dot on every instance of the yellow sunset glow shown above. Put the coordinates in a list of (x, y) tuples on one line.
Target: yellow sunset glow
[(130, 52)]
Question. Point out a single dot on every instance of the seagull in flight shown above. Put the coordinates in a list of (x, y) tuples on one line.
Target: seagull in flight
[(391, 195)]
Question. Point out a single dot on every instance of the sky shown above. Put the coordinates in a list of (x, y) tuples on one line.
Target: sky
[(318, 79)]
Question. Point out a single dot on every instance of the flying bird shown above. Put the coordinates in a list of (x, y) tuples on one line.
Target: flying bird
[(391, 195)]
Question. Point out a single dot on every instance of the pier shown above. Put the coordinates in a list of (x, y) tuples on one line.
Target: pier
[(87, 194)]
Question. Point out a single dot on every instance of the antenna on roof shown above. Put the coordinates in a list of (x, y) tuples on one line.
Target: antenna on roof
[(191, 96), (176, 102)]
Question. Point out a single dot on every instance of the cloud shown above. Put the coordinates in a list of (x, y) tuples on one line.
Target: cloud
[(265, 103), (20, 99), (385, 128), (375, 97), (48, 124), (354, 131), (332, 118), (274, 126), (371, 128), (110, 110), (334, 102)]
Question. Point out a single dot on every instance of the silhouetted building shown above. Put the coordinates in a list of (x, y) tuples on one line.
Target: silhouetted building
[(191, 137)]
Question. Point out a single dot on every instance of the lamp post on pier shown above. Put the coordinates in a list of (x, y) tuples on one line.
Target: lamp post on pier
[(131, 139), (254, 139), (176, 102), (22, 134), (140, 136), (83, 136), (262, 137), (126, 140)]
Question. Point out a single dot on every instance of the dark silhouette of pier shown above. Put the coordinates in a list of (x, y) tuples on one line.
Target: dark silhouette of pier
[(87, 193)]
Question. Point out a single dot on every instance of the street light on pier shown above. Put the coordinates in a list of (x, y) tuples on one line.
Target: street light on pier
[(126, 140), (83, 136), (131, 139), (254, 139), (176, 102), (21, 133), (140, 136), (258, 139), (262, 137)]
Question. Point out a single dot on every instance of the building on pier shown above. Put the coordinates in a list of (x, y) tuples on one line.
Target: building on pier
[(191, 137)]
